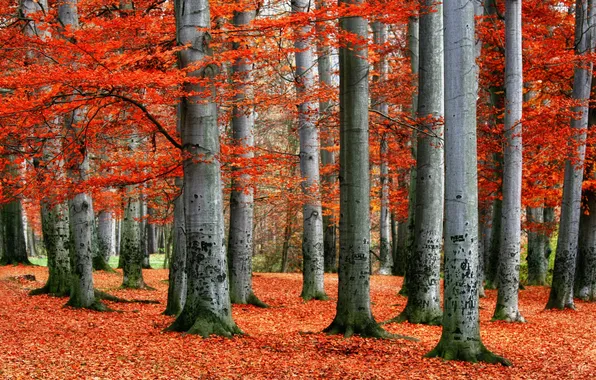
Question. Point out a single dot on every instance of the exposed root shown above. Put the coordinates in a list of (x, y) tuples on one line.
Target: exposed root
[(423, 317), (502, 314), (320, 296), (255, 301), (368, 330), (108, 297), (205, 324)]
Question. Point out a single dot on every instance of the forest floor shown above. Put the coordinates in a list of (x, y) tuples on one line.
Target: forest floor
[(41, 339)]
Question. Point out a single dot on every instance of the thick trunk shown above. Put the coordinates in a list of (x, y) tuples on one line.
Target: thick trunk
[(353, 313), (177, 275), (537, 247), (240, 244), (207, 309), (312, 214), (131, 252), (13, 239), (561, 294), (460, 338), (425, 263), (509, 260)]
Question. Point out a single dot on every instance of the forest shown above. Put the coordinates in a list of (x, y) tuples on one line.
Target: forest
[(312, 189)]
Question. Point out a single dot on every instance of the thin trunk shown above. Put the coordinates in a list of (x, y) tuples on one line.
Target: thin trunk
[(177, 275), (537, 247), (507, 308), (425, 263), (287, 237), (240, 236), (131, 252), (491, 259), (460, 338), (105, 233), (14, 247), (561, 294)]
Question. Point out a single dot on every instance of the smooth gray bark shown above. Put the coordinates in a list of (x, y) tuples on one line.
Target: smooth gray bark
[(105, 234), (207, 309), (312, 214), (353, 312), (537, 256), (177, 273), (381, 67), (424, 299), (460, 339), (327, 142), (561, 294), (240, 236), (507, 308), (131, 252)]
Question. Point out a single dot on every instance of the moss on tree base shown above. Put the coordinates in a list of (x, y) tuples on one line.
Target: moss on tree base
[(320, 296), (97, 305), (255, 301), (431, 317), (469, 351), (205, 324), (5, 261), (502, 314), (99, 263), (47, 289), (369, 329)]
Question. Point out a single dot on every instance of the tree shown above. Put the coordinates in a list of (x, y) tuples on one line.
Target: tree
[(538, 251), (240, 244), (353, 312), (313, 286), (423, 304), (207, 309), (177, 272), (509, 261), (561, 293), (460, 338)]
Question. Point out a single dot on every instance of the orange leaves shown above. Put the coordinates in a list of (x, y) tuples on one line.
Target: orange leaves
[(42, 339)]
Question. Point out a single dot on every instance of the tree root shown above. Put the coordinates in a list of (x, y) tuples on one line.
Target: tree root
[(501, 314), (423, 317), (108, 297), (205, 324), (255, 301), (368, 330), (467, 352), (320, 296)]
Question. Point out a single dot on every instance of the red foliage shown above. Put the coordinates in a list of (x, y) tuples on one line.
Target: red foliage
[(42, 339)]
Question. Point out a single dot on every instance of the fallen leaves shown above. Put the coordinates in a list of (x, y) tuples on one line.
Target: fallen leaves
[(42, 339)]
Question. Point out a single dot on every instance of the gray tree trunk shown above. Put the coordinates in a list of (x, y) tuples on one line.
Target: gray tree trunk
[(240, 236), (327, 142), (105, 234), (491, 258), (146, 263), (151, 233), (425, 263), (312, 214), (561, 293), (207, 309), (507, 308), (353, 313), (537, 247), (460, 339), (131, 252), (177, 274), (386, 262), (13, 239), (585, 280)]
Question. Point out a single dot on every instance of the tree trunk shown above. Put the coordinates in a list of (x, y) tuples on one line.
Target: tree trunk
[(177, 274), (561, 293), (146, 261), (460, 339), (207, 309), (312, 214), (537, 247), (131, 252), (507, 308), (103, 241), (327, 143), (386, 259), (353, 313), (585, 281), (491, 259), (425, 263), (240, 244), (14, 247)]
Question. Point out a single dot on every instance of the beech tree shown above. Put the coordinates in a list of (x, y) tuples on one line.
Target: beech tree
[(207, 309), (460, 338), (509, 260), (353, 312), (177, 272), (423, 304), (561, 293), (240, 245)]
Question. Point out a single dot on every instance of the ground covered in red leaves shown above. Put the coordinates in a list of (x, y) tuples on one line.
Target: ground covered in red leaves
[(39, 338)]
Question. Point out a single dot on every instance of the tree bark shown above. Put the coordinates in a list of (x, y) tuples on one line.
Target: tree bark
[(13, 239), (177, 273), (353, 312), (561, 294), (507, 308), (460, 339), (131, 252), (585, 280), (207, 309), (537, 247), (423, 304), (240, 244)]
